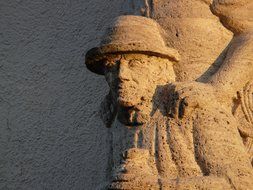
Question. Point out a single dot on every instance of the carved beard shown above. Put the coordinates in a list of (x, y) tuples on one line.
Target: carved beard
[(131, 116), (127, 115)]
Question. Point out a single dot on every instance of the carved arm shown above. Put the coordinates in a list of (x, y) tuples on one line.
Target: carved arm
[(237, 68)]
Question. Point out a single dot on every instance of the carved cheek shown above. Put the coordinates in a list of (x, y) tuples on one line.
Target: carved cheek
[(111, 81)]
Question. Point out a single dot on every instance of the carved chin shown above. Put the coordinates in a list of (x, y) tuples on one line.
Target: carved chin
[(131, 116)]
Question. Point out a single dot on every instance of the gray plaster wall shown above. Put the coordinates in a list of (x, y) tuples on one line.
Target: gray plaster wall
[(51, 136)]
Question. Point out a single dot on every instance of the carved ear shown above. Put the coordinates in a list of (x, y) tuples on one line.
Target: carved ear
[(108, 110)]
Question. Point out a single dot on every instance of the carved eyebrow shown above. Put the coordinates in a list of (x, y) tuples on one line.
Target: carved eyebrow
[(208, 2)]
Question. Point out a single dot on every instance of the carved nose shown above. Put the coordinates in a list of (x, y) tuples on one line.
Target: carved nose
[(124, 71)]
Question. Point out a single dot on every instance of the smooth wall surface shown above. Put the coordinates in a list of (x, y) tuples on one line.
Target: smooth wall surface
[(51, 136)]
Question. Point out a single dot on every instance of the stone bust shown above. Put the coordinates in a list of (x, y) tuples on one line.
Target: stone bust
[(127, 50), (186, 134)]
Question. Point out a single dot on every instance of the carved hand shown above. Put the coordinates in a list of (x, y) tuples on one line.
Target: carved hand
[(185, 97)]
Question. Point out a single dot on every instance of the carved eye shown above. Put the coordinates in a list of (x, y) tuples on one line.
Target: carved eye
[(134, 63), (111, 65)]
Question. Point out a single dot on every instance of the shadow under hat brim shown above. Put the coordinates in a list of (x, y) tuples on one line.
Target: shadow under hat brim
[(94, 58)]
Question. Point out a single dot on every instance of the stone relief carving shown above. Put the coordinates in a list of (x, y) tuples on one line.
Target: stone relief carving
[(177, 135)]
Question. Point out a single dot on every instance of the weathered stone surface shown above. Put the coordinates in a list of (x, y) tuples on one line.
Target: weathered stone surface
[(51, 136), (120, 37), (196, 33), (177, 132)]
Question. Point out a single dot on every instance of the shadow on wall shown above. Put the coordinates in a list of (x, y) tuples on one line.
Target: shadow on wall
[(51, 136)]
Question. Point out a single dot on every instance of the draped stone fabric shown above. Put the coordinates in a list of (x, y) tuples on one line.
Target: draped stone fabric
[(194, 128)]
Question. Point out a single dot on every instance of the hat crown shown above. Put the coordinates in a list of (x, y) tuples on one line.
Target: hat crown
[(134, 33), (130, 34)]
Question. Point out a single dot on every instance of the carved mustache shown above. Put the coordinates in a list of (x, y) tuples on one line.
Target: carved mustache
[(128, 103), (128, 115), (126, 96)]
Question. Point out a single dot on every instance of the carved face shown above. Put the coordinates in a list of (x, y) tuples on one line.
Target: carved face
[(133, 79), (236, 15)]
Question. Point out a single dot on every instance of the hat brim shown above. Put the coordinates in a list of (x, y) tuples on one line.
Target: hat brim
[(94, 58)]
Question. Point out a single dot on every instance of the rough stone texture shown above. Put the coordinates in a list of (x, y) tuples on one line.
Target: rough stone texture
[(51, 136), (195, 32), (179, 128)]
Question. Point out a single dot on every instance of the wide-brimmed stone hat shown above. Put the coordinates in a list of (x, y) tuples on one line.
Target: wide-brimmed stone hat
[(130, 34)]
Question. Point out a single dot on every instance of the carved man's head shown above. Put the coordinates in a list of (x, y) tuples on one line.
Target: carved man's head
[(135, 60), (236, 15), (133, 79)]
